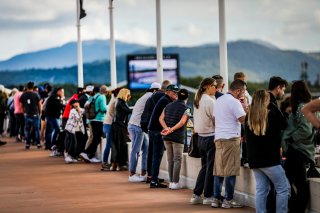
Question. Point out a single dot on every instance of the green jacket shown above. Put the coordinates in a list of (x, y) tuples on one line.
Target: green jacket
[(299, 134), (100, 106)]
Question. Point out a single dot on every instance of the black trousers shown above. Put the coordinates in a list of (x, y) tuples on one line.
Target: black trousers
[(2, 116), (205, 177), (295, 167), (150, 156), (75, 143), (70, 144), (119, 149), (97, 133), (12, 123), (20, 124)]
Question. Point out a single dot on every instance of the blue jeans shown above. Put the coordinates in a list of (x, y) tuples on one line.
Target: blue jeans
[(281, 184), (158, 148), (139, 141), (229, 187), (32, 121), (52, 131), (106, 131)]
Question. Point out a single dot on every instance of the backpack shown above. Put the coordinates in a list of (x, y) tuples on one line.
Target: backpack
[(90, 109)]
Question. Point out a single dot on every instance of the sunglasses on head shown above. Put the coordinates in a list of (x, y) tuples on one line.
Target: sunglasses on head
[(217, 77), (215, 85)]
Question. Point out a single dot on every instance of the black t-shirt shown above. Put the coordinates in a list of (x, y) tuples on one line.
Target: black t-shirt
[(30, 102)]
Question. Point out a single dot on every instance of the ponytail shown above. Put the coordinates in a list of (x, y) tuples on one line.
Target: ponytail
[(202, 88)]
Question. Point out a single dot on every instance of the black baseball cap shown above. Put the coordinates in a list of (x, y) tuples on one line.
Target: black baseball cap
[(173, 88), (183, 94)]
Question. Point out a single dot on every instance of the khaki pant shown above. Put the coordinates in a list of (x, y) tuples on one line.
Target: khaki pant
[(174, 158), (227, 159)]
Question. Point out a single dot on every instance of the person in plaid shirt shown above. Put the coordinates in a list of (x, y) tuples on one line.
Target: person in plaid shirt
[(74, 132)]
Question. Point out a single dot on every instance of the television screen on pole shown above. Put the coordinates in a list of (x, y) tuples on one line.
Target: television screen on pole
[(142, 70)]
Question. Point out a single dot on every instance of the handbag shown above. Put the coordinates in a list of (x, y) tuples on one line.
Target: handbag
[(193, 146), (313, 172)]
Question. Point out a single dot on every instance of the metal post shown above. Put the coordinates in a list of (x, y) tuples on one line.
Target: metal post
[(79, 44), (223, 44), (159, 44), (113, 69)]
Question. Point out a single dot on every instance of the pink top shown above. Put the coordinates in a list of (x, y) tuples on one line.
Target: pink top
[(16, 101)]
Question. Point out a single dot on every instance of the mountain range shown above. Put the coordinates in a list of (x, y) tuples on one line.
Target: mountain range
[(66, 55), (258, 59)]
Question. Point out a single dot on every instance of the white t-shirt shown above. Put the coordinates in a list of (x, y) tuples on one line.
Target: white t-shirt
[(227, 110), (138, 109)]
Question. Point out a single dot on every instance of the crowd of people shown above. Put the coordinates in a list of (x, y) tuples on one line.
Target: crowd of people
[(233, 129)]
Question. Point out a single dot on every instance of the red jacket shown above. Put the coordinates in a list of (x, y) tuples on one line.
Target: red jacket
[(67, 109)]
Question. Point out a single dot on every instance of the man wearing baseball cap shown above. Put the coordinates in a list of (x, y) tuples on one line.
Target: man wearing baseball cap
[(155, 136)]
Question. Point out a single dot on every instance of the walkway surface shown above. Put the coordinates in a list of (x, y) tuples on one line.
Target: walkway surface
[(30, 181)]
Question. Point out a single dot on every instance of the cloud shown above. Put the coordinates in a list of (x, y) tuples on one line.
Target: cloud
[(137, 35), (193, 30), (28, 24), (190, 29), (317, 17)]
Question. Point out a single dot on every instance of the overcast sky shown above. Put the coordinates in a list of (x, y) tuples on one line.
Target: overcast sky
[(30, 25)]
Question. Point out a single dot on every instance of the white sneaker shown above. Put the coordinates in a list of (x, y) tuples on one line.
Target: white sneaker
[(170, 185), (85, 157), (55, 153), (195, 199), (227, 204), (135, 178), (175, 186), (144, 177), (74, 160), (208, 200), (216, 203), (95, 160), (68, 159), (52, 154)]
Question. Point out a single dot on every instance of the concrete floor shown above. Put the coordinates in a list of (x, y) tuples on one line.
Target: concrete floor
[(31, 181)]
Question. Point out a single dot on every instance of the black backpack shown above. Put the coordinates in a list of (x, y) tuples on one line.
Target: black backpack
[(90, 109)]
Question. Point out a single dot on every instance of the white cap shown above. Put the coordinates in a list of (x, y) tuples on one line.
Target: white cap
[(155, 85), (89, 88)]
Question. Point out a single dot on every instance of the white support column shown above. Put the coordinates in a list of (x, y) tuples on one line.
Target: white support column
[(79, 45), (223, 44), (113, 68), (159, 44)]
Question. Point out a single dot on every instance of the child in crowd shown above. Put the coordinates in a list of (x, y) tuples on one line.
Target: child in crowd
[(74, 131)]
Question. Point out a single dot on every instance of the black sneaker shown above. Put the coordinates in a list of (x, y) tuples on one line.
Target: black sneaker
[(160, 180), (2, 143), (157, 185), (27, 146), (39, 146)]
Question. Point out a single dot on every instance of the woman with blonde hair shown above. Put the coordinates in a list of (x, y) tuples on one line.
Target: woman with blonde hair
[(261, 131), (119, 133)]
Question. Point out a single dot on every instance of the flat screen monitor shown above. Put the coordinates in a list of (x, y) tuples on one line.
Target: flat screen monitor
[(142, 70)]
